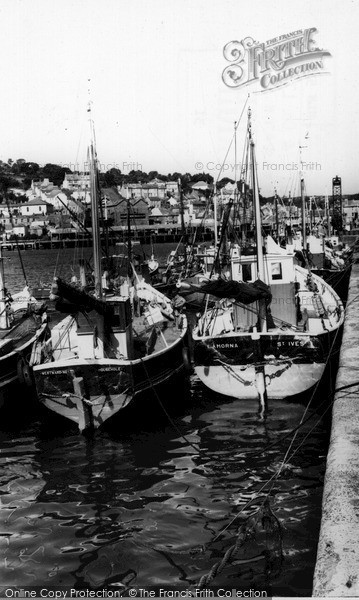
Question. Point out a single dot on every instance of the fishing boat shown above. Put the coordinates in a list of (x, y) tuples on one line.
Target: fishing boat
[(270, 333), (23, 328), (118, 343), (324, 255)]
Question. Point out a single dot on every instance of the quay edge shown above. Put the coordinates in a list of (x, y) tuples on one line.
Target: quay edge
[(337, 566)]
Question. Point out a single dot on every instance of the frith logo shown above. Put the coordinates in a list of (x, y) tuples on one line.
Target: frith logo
[(275, 62)]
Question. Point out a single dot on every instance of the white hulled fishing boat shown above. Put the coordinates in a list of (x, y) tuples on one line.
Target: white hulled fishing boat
[(271, 333)]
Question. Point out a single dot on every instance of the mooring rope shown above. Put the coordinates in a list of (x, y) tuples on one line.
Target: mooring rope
[(269, 484)]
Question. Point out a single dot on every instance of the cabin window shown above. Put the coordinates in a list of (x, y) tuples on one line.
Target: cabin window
[(247, 272), (276, 270)]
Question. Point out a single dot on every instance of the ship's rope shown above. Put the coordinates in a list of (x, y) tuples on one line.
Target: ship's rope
[(245, 533), (233, 374), (232, 140), (64, 333), (173, 424)]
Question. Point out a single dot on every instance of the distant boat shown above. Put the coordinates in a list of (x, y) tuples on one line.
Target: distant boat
[(23, 329), (323, 255), (270, 332), (153, 265), (119, 342)]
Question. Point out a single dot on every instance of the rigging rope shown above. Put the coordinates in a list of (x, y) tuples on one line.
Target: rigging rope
[(269, 484)]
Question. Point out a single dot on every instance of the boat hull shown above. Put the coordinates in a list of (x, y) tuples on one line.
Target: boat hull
[(338, 280), (244, 382), (240, 366), (91, 391), (18, 354)]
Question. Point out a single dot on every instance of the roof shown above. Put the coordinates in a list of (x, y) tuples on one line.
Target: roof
[(63, 230), (34, 202), (229, 188), (157, 212), (192, 196), (77, 203), (54, 192), (111, 194), (155, 182), (200, 185), (76, 176)]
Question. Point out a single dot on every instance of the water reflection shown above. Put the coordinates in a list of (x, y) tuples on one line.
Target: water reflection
[(144, 507)]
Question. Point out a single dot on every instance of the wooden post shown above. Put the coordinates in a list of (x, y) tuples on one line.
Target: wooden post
[(85, 415)]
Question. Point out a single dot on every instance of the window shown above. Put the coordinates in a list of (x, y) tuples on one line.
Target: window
[(247, 272), (276, 270)]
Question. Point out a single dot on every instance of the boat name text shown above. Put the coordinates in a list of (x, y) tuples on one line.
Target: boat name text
[(225, 345)]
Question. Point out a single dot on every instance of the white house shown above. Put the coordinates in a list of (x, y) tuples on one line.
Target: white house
[(57, 199), (20, 230), (172, 187), (33, 207), (76, 182)]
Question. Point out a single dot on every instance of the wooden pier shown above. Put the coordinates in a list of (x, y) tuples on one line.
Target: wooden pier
[(144, 234)]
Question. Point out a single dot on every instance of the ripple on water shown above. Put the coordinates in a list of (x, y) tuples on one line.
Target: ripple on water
[(144, 508)]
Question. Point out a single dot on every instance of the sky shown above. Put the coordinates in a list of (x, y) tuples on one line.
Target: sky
[(153, 72)]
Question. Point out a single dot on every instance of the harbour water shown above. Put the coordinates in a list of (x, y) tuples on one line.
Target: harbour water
[(155, 504)]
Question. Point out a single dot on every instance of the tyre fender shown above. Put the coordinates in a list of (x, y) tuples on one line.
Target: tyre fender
[(24, 373), (186, 359)]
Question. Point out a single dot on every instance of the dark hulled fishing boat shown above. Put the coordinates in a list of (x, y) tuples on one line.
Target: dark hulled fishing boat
[(117, 343), (23, 328)]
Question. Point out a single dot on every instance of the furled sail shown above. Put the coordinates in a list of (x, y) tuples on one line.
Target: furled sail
[(239, 291), (78, 298)]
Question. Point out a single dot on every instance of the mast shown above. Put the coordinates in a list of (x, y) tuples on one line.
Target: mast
[(215, 215), (96, 243), (327, 213), (262, 310), (257, 210), (236, 195), (129, 240), (235, 153), (304, 225), (290, 214), (183, 228), (4, 321), (276, 215)]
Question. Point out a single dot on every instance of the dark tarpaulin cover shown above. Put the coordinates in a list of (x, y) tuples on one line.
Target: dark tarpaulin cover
[(79, 298), (239, 291)]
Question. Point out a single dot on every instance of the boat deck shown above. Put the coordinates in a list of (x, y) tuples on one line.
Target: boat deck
[(155, 338), (147, 339), (18, 335)]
